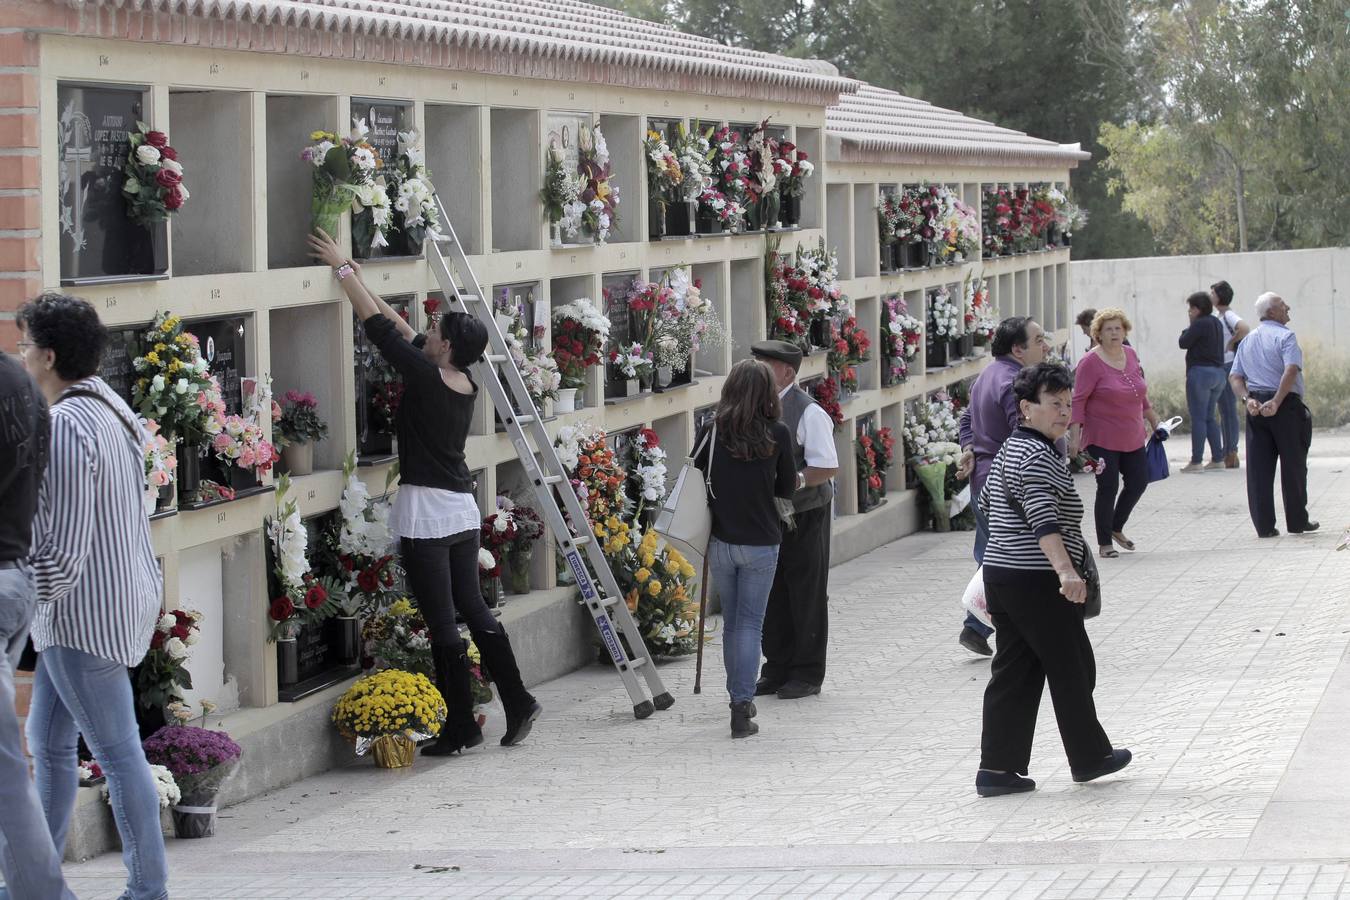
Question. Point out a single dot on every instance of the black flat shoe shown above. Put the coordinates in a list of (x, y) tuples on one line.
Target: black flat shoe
[(795, 690), (998, 784), (1306, 529), (1118, 760), (975, 642), (518, 728), (764, 687), (1274, 532)]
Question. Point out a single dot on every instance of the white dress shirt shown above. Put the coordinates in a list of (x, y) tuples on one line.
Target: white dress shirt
[(815, 435)]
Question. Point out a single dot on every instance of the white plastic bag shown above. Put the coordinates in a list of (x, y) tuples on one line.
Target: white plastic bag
[(959, 501), (973, 599)]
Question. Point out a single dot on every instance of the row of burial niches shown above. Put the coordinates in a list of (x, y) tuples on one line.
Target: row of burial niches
[(139, 199)]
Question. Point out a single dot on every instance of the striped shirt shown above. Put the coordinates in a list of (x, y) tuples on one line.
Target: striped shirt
[(1039, 480), (97, 579)]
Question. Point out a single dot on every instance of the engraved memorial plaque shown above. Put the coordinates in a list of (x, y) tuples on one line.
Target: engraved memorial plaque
[(116, 366), (614, 290)]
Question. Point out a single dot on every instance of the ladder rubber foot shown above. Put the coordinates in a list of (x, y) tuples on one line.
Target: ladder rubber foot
[(664, 701), (643, 710)]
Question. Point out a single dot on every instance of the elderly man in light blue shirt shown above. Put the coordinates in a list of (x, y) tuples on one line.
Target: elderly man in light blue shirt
[(1267, 377)]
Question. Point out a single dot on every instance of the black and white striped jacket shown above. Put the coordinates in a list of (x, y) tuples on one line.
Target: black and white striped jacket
[(97, 579), (1038, 479)]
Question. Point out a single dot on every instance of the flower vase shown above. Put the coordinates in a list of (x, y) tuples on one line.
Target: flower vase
[(912, 255), (241, 479), (288, 662), (394, 751), (662, 379), (935, 356), (298, 458), (566, 402), (953, 349), (195, 816), (348, 640), (656, 218), (555, 234), (707, 222), (491, 589), (189, 473), (966, 344), (167, 496), (517, 571), (790, 210), (679, 218), (1066, 239), (887, 255), (150, 499), (632, 387)]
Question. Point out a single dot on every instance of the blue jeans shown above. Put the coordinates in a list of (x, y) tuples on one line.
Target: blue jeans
[(981, 541), (1204, 386), (743, 574), (28, 859), (77, 693), (1229, 423)]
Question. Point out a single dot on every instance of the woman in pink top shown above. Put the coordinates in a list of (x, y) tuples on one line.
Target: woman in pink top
[(1110, 404)]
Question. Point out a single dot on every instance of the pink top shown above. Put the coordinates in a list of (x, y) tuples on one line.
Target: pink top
[(1110, 403)]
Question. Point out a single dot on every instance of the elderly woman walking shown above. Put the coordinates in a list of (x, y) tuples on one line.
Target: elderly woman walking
[(1035, 596), (1110, 404)]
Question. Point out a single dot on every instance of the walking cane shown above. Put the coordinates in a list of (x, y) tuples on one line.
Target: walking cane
[(702, 612)]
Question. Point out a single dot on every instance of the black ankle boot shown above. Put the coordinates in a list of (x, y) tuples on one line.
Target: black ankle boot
[(741, 725), (459, 731), (499, 660)]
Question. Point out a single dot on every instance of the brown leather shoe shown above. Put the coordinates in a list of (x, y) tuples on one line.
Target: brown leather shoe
[(1231, 461)]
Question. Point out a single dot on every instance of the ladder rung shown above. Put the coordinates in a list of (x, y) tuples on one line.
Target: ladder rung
[(525, 420), (553, 479), (497, 357), (637, 663), (466, 298), (581, 540)]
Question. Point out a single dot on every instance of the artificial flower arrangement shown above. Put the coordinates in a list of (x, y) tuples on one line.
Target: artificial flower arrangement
[(694, 154), (960, 230), (664, 176), (944, 315), (162, 676), (396, 636), (416, 218), (347, 175), (931, 436), (901, 339), (761, 176), (596, 476), (731, 173), (240, 441), (646, 483), (495, 534), (561, 194), (997, 230), (172, 385), (793, 167), (826, 393), (802, 293), (871, 485), (696, 326), (153, 187), (160, 458), (600, 196), (384, 383), (511, 533), (538, 370), (299, 422), (579, 334), (303, 599), (899, 217), (166, 789), (633, 361), (981, 316), (355, 558), (200, 760), (389, 711)]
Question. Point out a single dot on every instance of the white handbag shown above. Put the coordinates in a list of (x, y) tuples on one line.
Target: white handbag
[(685, 519)]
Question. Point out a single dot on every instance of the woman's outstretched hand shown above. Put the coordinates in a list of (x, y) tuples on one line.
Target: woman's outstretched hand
[(323, 248)]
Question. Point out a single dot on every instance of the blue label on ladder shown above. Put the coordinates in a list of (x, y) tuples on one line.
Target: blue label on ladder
[(611, 640), (581, 575)]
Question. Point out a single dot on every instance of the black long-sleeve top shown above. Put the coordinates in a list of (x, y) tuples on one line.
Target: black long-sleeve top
[(24, 431), (743, 491), (1203, 342), (432, 421)]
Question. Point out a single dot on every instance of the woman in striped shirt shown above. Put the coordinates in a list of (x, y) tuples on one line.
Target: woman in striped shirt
[(98, 587), (1036, 596)]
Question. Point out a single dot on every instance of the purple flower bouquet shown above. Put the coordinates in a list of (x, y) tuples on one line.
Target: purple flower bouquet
[(200, 760)]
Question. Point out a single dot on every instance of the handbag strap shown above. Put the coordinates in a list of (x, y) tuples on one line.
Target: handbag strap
[(709, 441), (86, 392)]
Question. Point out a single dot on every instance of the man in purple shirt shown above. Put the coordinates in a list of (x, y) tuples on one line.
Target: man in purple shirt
[(985, 424)]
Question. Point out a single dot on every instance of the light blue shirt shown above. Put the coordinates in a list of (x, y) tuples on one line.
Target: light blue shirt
[(1264, 354)]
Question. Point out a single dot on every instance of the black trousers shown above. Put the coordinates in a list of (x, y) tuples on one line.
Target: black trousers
[(796, 623), (1113, 506), (1284, 437), (1040, 638)]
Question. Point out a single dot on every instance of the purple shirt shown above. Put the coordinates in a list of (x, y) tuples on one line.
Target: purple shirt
[(991, 417)]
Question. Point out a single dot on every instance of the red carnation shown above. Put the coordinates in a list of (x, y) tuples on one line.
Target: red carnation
[(368, 581), (168, 152), (168, 178), (346, 562), (281, 609), (173, 199), (316, 597), (156, 139)]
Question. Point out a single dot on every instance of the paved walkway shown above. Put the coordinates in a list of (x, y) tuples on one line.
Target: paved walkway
[(1220, 663)]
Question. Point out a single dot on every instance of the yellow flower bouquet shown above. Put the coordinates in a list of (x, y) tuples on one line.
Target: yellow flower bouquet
[(389, 712)]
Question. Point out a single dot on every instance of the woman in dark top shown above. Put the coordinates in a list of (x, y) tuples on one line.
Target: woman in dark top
[(1036, 597), (748, 462), (1203, 342), (435, 514)]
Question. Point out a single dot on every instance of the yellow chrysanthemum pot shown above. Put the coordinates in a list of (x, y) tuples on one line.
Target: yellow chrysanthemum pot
[(394, 751)]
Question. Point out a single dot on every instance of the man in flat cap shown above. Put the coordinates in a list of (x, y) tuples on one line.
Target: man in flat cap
[(796, 621)]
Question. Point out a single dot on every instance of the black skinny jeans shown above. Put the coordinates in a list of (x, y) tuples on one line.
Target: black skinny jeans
[(1113, 506), (443, 575)]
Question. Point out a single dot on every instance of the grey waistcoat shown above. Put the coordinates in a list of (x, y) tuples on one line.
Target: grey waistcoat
[(795, 403)]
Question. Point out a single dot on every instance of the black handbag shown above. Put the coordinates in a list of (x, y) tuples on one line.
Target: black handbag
[(1086, 567)]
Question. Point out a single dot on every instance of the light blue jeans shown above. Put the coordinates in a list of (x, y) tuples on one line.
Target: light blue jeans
[(77, 693), (28, 860), (743, 574), (1204, 387)]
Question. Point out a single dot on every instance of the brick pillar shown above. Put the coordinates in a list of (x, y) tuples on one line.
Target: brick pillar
[(20, 208)]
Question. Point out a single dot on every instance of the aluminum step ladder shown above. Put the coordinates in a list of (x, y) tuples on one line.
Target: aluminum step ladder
[(534, 446)]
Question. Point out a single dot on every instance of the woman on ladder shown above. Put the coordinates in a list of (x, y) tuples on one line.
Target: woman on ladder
[(435, 514)]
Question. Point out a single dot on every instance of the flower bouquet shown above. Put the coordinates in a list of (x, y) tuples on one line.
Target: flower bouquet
[(694, 154), (200, 760), (731, 178), (415, 217), (160, 463), (664, 178), (659, 587), (347, 176), (871, 487), (172, 385), (389, 711), (527, 528), (597, 193), (301, 599), (579, 334), (646, 484), (297, 431), (561, 197), (166, 789), (634, 362), (153, 186), (162, 675), (356, 546), (761, 178), (793, 167), (901, 339), (826, 393)]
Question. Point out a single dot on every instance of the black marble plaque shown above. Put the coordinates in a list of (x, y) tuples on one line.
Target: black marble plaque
[(222, 346), (116, 367), (375, 436), (98, 241), (614, 289), (385, 119)]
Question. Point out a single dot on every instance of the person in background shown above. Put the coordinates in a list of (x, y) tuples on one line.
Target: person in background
[(98, 588), (1203, 342), (987, 421), (1234, 330), (1110, 404), (1036, 598), (435, 513), (747, 465), (28, 859), (796, 624), (1268, 379), (1084, 322)]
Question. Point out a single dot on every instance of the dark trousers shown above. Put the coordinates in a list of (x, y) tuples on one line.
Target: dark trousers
[(981, 541), (1113, 505), (1284, 437), (1040, 638), (796, 623), (443, 575)]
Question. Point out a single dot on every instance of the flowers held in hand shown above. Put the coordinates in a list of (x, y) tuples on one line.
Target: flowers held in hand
[(579, 334), (153, 186), (347, 176), (1086, 462)]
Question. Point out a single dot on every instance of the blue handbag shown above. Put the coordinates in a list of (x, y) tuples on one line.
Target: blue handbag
[(1157, 460)]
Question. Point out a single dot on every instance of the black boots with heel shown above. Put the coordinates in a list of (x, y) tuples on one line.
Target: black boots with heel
[(460, 731), (499, 662)]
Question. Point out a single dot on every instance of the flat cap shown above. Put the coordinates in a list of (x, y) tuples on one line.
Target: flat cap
[(779, 350)]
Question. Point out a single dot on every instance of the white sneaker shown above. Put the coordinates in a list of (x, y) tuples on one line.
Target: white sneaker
[(1193, 468)]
